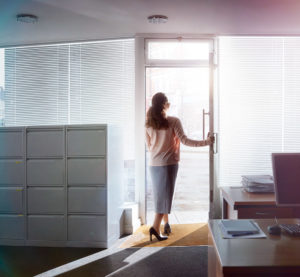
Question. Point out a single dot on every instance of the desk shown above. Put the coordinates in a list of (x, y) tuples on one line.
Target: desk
[(276, 256), (239, 204)]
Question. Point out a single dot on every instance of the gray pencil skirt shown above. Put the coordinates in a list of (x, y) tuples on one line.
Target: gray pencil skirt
[(163, 184)]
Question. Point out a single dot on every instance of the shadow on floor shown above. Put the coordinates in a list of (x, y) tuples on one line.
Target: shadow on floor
[(103, 266), (159, 261), (23, 261), (78, 262)]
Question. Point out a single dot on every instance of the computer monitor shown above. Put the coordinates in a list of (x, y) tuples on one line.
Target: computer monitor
[(286, 173)]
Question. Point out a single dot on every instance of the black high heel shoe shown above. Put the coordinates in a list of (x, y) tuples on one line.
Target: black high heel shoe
[(167, 229), (153, 232)]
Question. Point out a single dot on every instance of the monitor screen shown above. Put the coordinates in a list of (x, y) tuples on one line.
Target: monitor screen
[(286, 172)]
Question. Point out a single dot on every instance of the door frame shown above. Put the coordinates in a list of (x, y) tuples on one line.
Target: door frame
[(142, 64)]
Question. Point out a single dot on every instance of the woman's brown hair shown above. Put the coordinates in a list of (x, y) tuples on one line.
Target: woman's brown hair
[(155, 117)]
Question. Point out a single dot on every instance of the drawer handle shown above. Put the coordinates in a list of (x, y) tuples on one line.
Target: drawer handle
[(261, 213)]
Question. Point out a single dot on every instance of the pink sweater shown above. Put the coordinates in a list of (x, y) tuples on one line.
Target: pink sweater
[(164, 145)]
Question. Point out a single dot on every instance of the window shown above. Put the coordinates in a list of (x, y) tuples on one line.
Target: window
[(36, 85), (177, 50), (2, 111), (2, 68), (259, 103), (76, 83)]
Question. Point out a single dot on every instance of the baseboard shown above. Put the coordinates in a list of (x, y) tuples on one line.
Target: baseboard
[(12, 242), (93, 244)]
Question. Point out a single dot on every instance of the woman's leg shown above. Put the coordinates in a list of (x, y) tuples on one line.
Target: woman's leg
[(166, 218), (157, 222), (172, 175)]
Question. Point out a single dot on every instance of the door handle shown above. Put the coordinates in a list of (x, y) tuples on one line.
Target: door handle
[(216, 144), (203, 122)]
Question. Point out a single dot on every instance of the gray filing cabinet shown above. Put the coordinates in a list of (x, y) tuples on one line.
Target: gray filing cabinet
[(61, 185), (46, 188), (12, 186)]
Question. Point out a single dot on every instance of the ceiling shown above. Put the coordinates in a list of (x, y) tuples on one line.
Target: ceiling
[(76, 20)]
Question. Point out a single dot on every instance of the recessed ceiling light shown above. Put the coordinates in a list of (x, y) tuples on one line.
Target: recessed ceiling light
[(157, 19), (27, 18)]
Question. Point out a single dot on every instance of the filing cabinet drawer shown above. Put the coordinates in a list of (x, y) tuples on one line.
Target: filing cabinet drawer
[(11, 172), (87, 200), (45, 143), (265, 212), (86, 142), (86, 228), (11, 144), (46, 227), (11, 200), (12, 227), (45, 172), (45, 200), (86, 171)]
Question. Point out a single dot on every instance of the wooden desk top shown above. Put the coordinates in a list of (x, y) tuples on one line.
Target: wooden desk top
[(282, 252), (237, 196)]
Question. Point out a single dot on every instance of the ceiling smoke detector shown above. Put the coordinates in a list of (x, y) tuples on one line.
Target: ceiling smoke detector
[(157, 19), (27, 18)]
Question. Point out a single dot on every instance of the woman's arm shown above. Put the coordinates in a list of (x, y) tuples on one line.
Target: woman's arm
[(147, 139), (185, 140)]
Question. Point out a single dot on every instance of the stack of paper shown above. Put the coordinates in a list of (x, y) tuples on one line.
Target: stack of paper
[(258, 183), (240, 229)]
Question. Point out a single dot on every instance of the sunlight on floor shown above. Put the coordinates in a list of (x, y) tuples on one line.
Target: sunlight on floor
[(179, 217)]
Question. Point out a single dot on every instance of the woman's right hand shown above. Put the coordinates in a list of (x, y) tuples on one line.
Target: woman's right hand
[(210, 139)]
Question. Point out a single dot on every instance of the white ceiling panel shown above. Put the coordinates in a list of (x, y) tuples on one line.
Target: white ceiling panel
[(76, 20)]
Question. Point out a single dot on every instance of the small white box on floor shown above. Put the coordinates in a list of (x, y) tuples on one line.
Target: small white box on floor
[(131, 218)]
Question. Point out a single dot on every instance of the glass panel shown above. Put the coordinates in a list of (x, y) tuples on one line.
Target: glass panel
[(187, 91), (176, 50), (259, 103), (291, 76)]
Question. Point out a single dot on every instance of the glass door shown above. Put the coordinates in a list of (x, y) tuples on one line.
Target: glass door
[(182, 71)]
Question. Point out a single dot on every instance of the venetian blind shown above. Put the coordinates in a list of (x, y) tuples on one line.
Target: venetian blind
[(259, 103), (102, 83), (76, 83), (36, 85)]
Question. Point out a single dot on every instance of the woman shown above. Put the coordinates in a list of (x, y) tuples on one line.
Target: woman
[(163, 136)]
